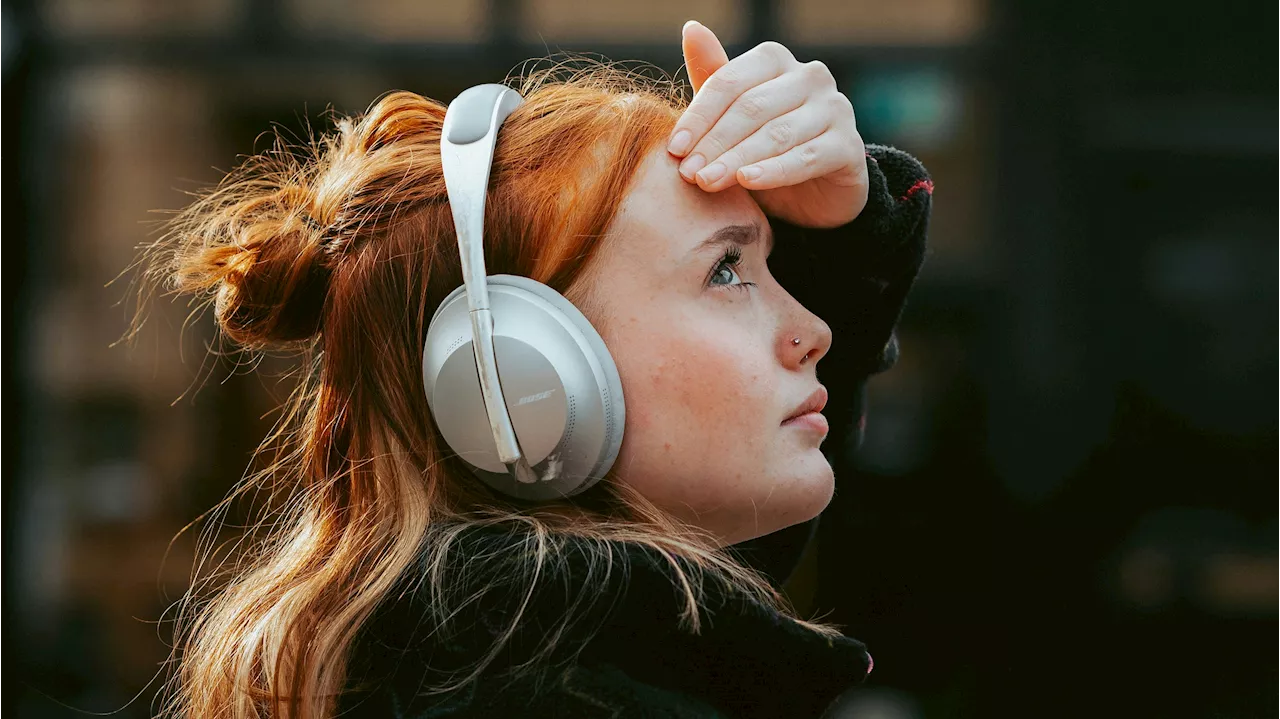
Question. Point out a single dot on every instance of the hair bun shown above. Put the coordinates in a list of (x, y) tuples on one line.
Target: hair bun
[(275, 292), (265, 261), (263, 243)]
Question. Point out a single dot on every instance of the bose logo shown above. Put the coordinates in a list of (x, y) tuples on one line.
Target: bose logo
[(535, 397)]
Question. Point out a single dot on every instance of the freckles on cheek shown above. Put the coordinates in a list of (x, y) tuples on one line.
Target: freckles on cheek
[(695, 383), (713, 389)]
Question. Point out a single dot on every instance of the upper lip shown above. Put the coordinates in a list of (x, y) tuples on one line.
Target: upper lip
[(814, 403)]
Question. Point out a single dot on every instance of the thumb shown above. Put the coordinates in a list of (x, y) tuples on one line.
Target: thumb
[(703, 53)]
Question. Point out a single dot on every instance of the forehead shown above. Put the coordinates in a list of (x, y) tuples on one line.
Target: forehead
[(666, 217)]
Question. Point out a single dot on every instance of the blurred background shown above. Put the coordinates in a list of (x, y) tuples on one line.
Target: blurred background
[(1067, 502)]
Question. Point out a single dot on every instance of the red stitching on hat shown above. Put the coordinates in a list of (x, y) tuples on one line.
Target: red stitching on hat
[(926, 185)]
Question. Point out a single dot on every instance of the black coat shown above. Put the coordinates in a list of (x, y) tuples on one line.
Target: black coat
[(635, 659)]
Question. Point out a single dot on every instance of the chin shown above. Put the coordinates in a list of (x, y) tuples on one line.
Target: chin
[(823, 483), (812, 483)]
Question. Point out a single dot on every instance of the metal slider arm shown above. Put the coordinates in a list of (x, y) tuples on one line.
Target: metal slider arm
[(466, 152)]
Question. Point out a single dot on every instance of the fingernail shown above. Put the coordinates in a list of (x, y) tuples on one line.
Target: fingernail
[(712, 173), (751, 172), (692, 164), (680, 143)]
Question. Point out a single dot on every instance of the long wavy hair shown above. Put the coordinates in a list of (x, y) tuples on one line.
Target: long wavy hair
[(339, 249)]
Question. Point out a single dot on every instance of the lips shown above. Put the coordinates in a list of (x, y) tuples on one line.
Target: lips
[(814, 403)]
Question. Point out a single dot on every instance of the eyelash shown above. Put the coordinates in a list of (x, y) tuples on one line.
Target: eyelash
[(732, 259)]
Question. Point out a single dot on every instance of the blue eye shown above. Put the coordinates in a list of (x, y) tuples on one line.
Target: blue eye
[(725, 273), (724, 276)]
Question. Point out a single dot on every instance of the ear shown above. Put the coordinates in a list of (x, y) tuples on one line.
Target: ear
[(703, 53)]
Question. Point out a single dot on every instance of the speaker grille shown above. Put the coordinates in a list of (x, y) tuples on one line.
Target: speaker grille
[(454, 346), (608, 416), (568, 427), (573, 415)]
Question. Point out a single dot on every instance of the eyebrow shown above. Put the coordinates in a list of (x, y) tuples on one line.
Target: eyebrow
[(741, 235)]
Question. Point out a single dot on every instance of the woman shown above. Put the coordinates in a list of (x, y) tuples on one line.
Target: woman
[(393, 583)]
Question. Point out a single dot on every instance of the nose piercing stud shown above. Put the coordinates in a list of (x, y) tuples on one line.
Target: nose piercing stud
[(796, 341)]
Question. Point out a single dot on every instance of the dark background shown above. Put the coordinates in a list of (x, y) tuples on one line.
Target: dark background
[(1066, 504)]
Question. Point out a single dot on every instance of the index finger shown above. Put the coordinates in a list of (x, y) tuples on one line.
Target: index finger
[(760, 64)]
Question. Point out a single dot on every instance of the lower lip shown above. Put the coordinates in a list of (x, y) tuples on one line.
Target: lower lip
[(809, 420)]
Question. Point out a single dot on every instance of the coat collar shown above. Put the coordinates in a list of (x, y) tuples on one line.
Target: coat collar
[(748, 660)]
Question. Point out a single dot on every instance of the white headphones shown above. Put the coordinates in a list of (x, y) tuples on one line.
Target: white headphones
[(549, 425)]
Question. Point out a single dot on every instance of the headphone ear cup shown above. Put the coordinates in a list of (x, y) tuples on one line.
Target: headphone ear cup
[(607, 383), (560, 384)]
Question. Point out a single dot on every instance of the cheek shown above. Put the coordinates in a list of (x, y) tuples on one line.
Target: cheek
[(695, 395)]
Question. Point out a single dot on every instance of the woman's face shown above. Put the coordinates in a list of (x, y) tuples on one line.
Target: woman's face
[(708, 366)]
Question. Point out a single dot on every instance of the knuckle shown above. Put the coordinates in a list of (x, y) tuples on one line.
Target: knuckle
[(781, 134), (839, 103), (781, 171), (699, 119), (711, 147), (818, 70), (753, 105), (726, 79), (777, 52), (773, 47), (808, 155)]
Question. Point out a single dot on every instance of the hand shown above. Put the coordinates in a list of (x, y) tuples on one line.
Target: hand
[(764, 110)]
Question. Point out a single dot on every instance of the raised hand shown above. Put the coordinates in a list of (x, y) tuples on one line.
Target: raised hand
[(776, 126)]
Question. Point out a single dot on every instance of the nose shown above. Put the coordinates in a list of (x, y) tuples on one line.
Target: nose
[(814, 337)]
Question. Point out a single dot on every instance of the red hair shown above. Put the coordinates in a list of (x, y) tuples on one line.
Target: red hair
[(342, 250)]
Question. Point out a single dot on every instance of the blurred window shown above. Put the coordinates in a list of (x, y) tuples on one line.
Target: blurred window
[(395, 20), (876, 22), (651, 21), (98, 18)]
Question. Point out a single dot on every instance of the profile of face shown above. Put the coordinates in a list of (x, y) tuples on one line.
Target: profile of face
[(702, 335)]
